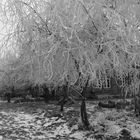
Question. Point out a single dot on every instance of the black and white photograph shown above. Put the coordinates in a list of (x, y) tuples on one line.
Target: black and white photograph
[(69, 69)]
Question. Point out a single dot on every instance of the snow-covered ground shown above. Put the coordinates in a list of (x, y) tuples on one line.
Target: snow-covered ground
[(39, 121)]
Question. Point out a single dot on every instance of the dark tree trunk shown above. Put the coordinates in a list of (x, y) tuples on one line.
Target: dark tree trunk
[(84, 117), (46, 94), (64, 98), (137, 104), (8, 97), (35, 91), (62, 104), (53, 94)]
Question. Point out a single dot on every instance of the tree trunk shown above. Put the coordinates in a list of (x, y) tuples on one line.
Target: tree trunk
[(8, 97), (64, 98), (53, 94), (84, 117), (46, 94), (62, 104), (137, 103)]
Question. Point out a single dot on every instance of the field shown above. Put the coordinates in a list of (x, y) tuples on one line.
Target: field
[(40, 121)]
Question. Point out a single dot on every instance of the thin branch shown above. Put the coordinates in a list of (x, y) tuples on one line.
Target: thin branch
[(88, 14), (38, 16)]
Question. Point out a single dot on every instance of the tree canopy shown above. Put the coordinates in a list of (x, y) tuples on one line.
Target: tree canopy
[(49, 39)]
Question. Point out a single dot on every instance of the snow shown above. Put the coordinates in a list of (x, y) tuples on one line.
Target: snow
[(62, 130), (1, 137), (136, 134), (43, 122), (77, 135)]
